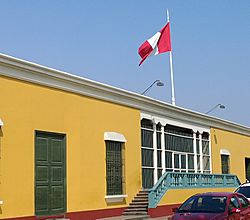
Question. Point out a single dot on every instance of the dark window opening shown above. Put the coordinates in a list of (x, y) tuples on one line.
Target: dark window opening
[(225, 164), (114, 168)]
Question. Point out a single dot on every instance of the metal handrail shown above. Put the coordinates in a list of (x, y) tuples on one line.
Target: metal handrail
[(175, 180)]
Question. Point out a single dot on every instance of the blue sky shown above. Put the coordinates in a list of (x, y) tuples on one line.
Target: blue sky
[(99, 40)]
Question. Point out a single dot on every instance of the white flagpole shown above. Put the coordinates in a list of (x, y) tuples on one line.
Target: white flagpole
[(171, 68)]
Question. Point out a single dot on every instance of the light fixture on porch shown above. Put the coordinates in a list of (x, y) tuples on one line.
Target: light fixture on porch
[(216, 106), (158, 83)]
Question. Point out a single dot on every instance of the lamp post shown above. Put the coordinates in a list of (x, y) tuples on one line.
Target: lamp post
[(216, 106), (158, 83)]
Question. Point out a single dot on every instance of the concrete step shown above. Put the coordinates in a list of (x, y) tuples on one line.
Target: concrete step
[(138, 205), (142, 203), (136, 208), (141, 196), (134, 213)]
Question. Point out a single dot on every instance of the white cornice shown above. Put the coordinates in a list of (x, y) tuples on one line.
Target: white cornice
[(177, 122), (31, 72)]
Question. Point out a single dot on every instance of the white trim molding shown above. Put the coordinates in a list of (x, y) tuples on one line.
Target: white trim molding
[(114, 136), (166, 120), (224, 152), (41, 75), (115, 198)]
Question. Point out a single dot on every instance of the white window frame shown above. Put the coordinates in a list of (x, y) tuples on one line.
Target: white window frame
[(195, 128), (114, 136), (225, 152)]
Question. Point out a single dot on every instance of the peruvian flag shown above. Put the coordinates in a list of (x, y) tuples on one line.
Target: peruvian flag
[(159, 43)]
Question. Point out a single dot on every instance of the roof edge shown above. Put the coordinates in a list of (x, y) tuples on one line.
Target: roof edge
[(35, 73)]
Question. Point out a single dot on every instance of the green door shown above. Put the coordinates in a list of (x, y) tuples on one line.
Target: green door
[(50, 174)]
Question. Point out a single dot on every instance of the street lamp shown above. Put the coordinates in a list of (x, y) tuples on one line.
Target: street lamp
[(158, 83), (217, 106)]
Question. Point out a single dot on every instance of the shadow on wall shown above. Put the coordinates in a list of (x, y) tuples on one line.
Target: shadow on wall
[(215, 138)]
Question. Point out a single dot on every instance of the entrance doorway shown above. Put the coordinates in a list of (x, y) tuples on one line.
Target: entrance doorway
[(50, 174)]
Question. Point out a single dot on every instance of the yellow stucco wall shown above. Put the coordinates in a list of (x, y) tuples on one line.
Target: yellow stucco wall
[(27, 107), (239, 147)]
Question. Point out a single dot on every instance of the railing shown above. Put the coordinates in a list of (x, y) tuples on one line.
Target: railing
[(172, 180)]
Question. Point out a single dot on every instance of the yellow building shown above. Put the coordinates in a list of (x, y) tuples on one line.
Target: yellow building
[(74, 148)]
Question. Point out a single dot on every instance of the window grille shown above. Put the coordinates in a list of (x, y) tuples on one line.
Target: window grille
[(114, 174), (225, 164)]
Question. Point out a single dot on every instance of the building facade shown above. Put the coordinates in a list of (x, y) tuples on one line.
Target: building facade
[(72, 147)]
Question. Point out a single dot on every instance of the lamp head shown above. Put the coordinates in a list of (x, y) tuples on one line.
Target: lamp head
[(222, 106), (159, 83), (217, 106)]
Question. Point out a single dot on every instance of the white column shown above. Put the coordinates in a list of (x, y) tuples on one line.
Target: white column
[(179, 155), (163, 156), (186, 155), (155, 152), (210, 154), (195, 153), (173, 161), (201, 154)]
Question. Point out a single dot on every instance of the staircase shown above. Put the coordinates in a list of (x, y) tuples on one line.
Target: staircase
[(139, 206), (176, 180)]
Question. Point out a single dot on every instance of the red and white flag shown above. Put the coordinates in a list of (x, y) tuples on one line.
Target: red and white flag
[(159, 43)]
